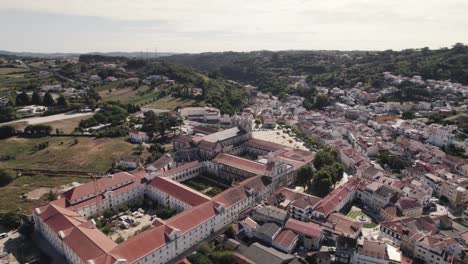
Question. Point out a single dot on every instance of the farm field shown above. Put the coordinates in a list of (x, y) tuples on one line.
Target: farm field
[(171, 103), (89, 154), (138, 96), (66, 126), (11, 70), (12, 199)]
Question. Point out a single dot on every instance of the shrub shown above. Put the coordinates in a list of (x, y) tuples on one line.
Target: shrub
[(119, 240), (7, 131), (5, 178)]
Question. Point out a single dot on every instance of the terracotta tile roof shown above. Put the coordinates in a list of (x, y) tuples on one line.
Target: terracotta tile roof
[(262, 144), (181, 167), (413, 224), (192, 217), (328, 204), (179, 191), (88, 242), (104, 183), (240, 163), (375, 249), (79, 234), (231, 196), (249, 222), (58, 218), (406, 204), (343, 225), (307, 228), (286, 239), (141, 244)]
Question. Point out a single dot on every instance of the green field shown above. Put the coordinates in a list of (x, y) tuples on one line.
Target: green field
[(171, 103), (62, 154), (356, 214), (12, 200), (140, 96), (203, 185)]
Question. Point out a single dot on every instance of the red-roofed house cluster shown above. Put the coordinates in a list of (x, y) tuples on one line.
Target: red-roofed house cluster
[(63, 222)]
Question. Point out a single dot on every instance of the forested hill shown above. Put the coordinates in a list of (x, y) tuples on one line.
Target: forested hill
[(268, 69)]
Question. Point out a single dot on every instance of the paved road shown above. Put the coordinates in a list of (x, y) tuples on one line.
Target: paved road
[(47, 119)]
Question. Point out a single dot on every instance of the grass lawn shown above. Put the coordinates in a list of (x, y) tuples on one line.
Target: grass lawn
[(200, 184), (67, 125), (171, 103), (89, 154), (356, 214), (11, 198)]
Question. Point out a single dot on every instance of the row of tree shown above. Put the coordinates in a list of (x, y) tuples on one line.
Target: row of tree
[(23, 99)]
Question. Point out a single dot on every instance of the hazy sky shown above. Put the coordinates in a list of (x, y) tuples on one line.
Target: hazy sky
[(221, 25)]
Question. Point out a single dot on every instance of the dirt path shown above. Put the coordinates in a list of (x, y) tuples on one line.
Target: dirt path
[(47, 119)]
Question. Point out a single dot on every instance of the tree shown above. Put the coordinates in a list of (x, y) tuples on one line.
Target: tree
[(51, 196), (22, 99), (321, 101), (325, 156), (38, 129), (36, 99), (336, 172), (7, 131), (5, 178), (454, 150), (108, 213), (158, 123), (62, 102), (7, 114), (199, 258), (323, 182), (48, 99), (230, 233), (10, 220), (304, 175), (138, 150), (119, 239), (407, 115)]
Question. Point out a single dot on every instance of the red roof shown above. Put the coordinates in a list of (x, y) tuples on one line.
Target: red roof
[(262, 144), (104, 183), (192, 217), (306, 228), (286, 239), (137, 133), (179, 191), (181, 167), (59, 219), (88, 242), (328, 204), (141, 244), (240, 163)]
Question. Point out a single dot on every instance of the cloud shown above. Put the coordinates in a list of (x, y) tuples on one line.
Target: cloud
[(215, 25)]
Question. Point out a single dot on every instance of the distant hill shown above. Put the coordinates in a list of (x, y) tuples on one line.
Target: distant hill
[(68, 55), (270, 71)]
